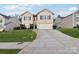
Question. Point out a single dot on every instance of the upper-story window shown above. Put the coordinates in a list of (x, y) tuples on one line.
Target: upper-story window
[(45, 17), (27, 17), (24, 17), (77, 17), (48, 17), (41, 17), (0, 20)]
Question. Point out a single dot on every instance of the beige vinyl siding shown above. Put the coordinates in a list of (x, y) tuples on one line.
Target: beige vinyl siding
[(67, 22), (76, 21), (27, 21), (44, 21)]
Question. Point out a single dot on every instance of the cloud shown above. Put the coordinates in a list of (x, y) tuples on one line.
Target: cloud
[(19, 6), (68, 11), (64, 13), (10, 7), (16, 9), (73, 9), (13, 13), (18, 12)]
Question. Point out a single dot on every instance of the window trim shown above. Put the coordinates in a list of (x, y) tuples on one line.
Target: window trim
[(24, 18), (27, 17), (45, 17), (0, 20)]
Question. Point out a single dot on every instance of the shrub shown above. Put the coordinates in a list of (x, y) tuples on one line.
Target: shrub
[(76, 26), (31, 26), (22, 26), (16, 28)]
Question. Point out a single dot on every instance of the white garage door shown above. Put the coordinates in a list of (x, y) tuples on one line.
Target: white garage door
[(44, 26)]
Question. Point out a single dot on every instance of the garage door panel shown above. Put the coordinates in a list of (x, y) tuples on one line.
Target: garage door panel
[(44, 26)]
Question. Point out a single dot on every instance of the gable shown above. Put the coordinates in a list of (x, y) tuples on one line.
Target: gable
[(27, 13), (46, 12)]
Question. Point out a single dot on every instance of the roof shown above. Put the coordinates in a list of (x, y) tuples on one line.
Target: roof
[(67, 16), (60, 17), (76, 11), (7, 17), (47, 10), (72, 13), (26, 12)]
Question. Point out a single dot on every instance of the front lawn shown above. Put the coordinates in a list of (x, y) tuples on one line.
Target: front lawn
[(17, 36), (9, 51), (74, 32)]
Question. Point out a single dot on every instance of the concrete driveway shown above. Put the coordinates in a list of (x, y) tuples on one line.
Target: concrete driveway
[(52, 42)]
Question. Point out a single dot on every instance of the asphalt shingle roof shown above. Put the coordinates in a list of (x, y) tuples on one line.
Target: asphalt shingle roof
[(5, 16)]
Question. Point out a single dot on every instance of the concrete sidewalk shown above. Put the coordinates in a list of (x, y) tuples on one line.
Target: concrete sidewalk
[(52, 42), (13, 45)]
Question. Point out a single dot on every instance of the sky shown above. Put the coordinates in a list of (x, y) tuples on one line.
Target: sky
[(57, 9)]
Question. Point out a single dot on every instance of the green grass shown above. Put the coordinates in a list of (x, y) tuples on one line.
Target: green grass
[(9, 51), (17, 36), (74, 32)]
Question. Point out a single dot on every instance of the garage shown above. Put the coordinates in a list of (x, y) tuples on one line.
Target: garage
[(44, 26)]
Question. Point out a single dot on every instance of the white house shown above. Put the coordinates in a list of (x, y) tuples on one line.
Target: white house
[(27, 19)]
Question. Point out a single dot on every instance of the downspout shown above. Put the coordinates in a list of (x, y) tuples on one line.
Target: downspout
[(73, 19)]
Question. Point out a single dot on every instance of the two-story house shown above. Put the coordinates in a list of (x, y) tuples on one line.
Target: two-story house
[(71, 20), (27, 19), (43, 19)]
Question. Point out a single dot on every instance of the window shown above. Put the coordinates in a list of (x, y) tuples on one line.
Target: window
[(0, 20), (77, 17), (45, 17), (24, 17), (41, 17), (49, 17), (27, 17)]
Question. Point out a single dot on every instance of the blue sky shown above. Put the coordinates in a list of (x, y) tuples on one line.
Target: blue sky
[(62, 9)]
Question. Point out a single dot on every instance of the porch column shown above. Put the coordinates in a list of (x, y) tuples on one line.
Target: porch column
[(34, 22)]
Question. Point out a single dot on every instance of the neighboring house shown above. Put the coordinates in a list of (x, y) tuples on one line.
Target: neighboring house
[(43, 19), (7, 23), (71, 20), (27, 19), (14, 22)]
